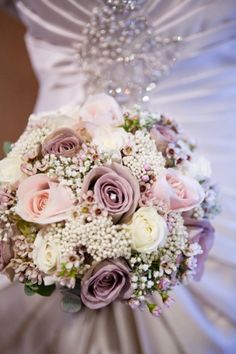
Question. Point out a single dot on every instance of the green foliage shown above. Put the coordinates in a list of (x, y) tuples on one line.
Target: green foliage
[(43, 290), (151, 307), (7, 147), (26, 228), (71, 303), (131, 124), (71, 273)]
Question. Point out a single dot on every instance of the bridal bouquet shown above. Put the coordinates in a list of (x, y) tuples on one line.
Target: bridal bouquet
[(105, 205)]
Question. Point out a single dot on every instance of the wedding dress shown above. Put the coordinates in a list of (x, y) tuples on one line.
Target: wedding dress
[(200, 92)]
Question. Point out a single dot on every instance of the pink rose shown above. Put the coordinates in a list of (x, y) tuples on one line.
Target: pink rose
[(163, 135), (202, 232), (42, 201), (177, 191), (102, 109), (106, 282)]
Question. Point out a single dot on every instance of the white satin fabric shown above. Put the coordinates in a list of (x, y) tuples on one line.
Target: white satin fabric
[(200, 92)]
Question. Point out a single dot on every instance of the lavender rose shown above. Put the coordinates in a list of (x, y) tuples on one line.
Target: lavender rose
[(115, 188), (62, 142), (163, 135), (106, 282), (6, 253), (202, 232)]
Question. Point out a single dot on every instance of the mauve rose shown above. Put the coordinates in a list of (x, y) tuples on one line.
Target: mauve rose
[(163, 136), (106, 282), (115, 188), (202, 232), (177, 191), (62, 142), (6, 253)]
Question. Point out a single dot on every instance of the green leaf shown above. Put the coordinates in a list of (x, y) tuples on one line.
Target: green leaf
[(6, 147), (151, 307), (46, 290), (29, 291), (71, 303), (43, 290), (26, 228)]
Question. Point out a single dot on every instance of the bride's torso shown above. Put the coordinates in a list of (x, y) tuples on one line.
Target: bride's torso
[(187, 35)]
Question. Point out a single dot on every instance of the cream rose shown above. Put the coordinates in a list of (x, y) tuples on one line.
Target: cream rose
[(10, 171), (109, 139), (148, 230), (46, 254)]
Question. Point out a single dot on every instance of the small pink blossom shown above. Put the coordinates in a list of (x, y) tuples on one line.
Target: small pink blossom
[(156, 311), (6, 253), (6, 197), (169, 301), (134, 303), (163, 135)]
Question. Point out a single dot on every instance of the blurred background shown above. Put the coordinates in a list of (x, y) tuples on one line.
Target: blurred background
[(18, 86)]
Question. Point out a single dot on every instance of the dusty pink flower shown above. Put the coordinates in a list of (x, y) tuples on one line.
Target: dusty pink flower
[(42, 201), (106, 282), (6, 253), (179, 192), (163, 135), (115, 188), (102, 109), (32, 154), (202, 232), (6, 197), (62, 142)]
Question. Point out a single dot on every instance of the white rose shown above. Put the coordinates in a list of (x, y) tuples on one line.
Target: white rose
[(102, 109), (46, 254), (110, 139), (148, 230), (65, 117), (199, 167), (10, 171)]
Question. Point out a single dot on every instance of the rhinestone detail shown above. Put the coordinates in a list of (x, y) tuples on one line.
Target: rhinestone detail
[(122, 55)]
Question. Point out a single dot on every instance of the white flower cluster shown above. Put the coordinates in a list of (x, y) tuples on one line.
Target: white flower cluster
[(66, 170), (101, 238), (29, 141), (145, 158), (177, 240)]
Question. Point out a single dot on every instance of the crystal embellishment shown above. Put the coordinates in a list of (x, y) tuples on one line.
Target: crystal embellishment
[(121, 53)]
